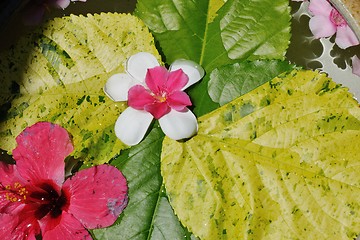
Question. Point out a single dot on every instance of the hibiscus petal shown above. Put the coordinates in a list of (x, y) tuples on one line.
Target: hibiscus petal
[(355, 65), (118, 85), (139, 97), (132, 125), (8, 177), (158, 109), (10, 229), (19, 225), (193, 70), (40, 152), (321, 26), (179, 125), (98, 195), (177, 80), (138, 64), (179, 100), (320, 7), (156, 78), (69, 228), (345, 37)]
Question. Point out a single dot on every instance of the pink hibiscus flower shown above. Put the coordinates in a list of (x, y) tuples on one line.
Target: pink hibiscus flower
[(152, 91), (327, 21), (36, 201)]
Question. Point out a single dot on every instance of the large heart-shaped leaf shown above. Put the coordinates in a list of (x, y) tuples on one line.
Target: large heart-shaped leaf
[(280, 162), (149, 214), (195, 30), (57, 74)]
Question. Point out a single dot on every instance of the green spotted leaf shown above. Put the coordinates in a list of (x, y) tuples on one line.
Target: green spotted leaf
[(280, 162), (57, 74)]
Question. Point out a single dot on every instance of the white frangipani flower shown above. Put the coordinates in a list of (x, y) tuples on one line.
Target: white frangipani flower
[(152, 91)]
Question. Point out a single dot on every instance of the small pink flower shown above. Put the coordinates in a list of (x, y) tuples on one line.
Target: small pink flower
[(327, 21), (36, 201), (355, 65), (154, 92)]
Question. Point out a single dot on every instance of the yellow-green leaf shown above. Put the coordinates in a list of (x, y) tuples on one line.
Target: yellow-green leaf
[(280, 162), (58, 72)]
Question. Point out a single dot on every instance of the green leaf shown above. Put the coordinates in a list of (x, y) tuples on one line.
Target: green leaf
[(148, 214), (277, 163), (57, 74), (239, 30), (231, 81)]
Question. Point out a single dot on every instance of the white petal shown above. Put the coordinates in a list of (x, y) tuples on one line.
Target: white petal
[(138, 64), (356, 65), (118, 85), (132, 125), (179, 125), (194, 71), (345, 37)]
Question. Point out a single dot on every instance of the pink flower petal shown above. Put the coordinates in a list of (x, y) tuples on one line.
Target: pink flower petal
[(138, 97), (40, 152), (69, 228), (138, 64), (158, 109), (178, 101), (19, 225), (345, 37), (9, 174), (355, 65), (320, 7), (8, 227), (193, 70), (321, 26), (156, 78), (179, 125), (98, 195), (176, 80)]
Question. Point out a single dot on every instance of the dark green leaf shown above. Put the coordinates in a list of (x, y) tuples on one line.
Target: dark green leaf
[(239, 30), (148, 214), (231, 81)]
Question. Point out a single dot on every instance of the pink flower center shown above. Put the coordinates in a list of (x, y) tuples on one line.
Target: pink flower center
[(160, 97), (48, 200), (336, 18)]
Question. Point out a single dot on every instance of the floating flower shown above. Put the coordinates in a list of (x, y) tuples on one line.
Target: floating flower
[(36, 201), (35, 10), (154, 92), (327, 21)]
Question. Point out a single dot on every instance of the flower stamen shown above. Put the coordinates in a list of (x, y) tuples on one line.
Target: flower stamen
[(336, 18), (16, 192)]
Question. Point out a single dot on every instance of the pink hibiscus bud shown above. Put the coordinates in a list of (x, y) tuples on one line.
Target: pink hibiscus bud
[(37, 201), (326, 21), (152, 91)]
